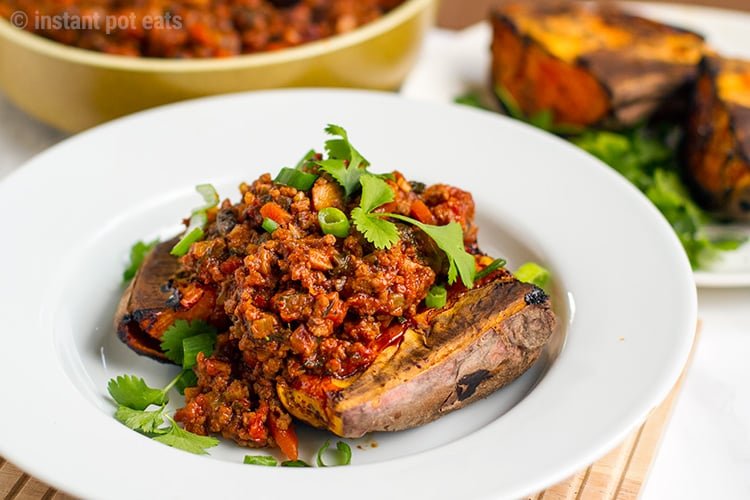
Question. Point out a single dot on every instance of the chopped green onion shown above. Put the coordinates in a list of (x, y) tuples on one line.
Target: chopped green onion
[(494, 266), (191, 346), (436, 297), (296, 179), (344, 453), (264, 460), (533, 273), (193, 233), (210, 196), (333, 221), (295, 463), (269, 225), (305, 159)]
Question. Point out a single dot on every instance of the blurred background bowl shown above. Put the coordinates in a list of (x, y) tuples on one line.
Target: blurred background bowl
[(73, 89)]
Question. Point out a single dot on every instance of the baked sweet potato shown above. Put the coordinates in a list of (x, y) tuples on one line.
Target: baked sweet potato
[(153, 301), (486, 339), (717, 142), (591, 65)]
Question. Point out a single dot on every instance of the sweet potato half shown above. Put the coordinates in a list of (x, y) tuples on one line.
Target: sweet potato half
[(591, 65), (486, 339), (717, 141)]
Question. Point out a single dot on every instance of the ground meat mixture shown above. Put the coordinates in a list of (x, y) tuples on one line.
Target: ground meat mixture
[(193, 28), (304, 306)]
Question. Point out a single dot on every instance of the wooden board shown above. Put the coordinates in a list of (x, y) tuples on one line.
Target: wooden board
[(618, 476)]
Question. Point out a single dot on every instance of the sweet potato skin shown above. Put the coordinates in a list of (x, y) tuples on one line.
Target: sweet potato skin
[(150, 303), (717, 140), (590, 65), (490, 337)]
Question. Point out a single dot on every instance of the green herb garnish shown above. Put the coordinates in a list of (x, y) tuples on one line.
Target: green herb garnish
[(198, 220), (265, 460), (533, 273), (436, 297), (648, 159), (343, 451), (177, 437), (138, 253), (191, 346), (494, 266), (333, 221), (172, 341), (132, 392), (295, 463), (345, 164), (295, 178), (145, 422)]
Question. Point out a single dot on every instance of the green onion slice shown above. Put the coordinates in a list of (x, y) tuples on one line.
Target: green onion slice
[(193, 345), (264, 460), (210, 196), (269, 225), (295, 463), (333, 221), (344, 454), (296, 179), (436, 297), (193, 233), (305, 159), (494, 266), (533, 273)]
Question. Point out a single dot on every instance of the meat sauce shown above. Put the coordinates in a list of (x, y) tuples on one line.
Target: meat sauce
[(193, 28), (306, 309)]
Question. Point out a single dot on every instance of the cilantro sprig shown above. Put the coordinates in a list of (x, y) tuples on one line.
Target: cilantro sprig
[(345, 164), (181, 342), (378, 230)]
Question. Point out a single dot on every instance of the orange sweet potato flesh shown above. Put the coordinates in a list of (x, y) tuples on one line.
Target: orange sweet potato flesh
[(590, 65), (717, 142)]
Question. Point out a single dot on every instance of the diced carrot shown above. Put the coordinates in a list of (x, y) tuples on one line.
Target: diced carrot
[(285, 438), (420, 212), (274, 212)]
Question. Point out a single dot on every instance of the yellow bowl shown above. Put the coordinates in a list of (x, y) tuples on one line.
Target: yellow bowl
[(74, 89)]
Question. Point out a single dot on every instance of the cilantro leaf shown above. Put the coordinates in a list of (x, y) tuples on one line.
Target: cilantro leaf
[(172, 340), (342, 149), (138, 253), (450, 239), (648, 159), (187, 379), (177, 437), (375, 192), (146, 422), (347, 177), (378, 231), (345, 164), (132, 392)]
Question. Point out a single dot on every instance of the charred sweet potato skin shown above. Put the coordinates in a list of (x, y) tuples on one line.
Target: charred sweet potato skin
[(717, 141), (487, 339), (152, 302), (590, 65)]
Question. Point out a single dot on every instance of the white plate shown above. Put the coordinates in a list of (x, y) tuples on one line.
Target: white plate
[(455, 62), (623, 292)]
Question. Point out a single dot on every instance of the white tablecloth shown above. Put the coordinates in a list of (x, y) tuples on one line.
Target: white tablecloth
[(706, 449)]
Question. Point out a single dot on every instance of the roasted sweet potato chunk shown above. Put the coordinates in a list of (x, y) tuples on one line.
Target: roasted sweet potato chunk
[(717, 143), (488, 338), (590, 65)]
